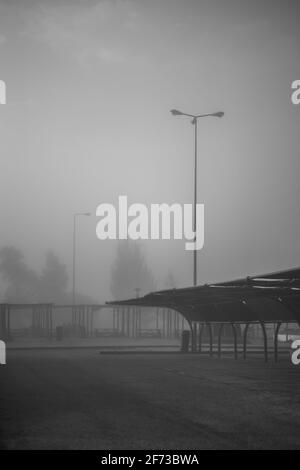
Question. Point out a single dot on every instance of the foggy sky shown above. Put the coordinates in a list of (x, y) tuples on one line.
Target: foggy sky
[(89, 89)]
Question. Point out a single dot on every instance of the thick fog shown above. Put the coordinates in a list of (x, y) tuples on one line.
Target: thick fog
[(90, 85)]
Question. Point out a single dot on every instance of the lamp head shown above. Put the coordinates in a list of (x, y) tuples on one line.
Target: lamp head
[(175, 112), (218, 114)]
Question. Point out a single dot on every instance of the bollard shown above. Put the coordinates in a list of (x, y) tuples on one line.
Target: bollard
[(185, 341)]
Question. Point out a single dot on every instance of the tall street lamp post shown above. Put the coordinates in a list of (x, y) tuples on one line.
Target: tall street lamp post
[(195, 118)]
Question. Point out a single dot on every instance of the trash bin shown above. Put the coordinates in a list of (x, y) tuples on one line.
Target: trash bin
[(59, 333), (185, 341)]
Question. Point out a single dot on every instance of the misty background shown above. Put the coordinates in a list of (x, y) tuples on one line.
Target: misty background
[(89, 89)]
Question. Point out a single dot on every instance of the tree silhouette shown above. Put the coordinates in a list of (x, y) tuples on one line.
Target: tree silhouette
[(130, 272), (54, 280), (170, 282), (23, 283)]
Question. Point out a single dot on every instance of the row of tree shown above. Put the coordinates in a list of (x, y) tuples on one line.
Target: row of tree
[(24, 284), (130, 276)]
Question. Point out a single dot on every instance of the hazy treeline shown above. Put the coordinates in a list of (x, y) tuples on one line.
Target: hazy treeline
[(130, 276), (24, 284)]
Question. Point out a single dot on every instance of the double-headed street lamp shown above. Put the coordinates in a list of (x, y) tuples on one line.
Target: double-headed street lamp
[(74, 251), (195, 118)]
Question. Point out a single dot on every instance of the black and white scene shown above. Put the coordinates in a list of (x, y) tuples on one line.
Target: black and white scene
[(149, 228)]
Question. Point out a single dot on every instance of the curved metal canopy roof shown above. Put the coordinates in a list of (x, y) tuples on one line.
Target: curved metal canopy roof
[(270, 297)]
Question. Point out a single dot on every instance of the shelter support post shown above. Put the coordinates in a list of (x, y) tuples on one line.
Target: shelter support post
[(278, 325)]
